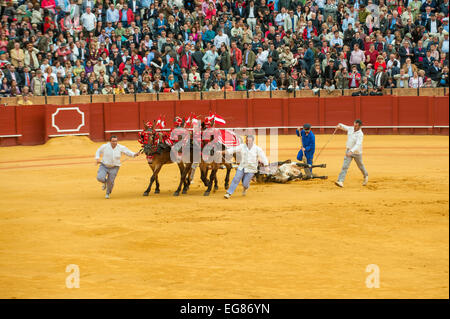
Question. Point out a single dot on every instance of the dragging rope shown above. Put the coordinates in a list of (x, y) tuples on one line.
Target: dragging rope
[(126, 159), (323, 147), (139, 153)]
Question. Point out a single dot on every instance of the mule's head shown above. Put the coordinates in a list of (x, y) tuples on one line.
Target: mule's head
[(151, 134)]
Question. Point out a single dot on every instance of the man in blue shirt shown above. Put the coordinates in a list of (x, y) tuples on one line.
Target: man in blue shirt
[(308, 143)]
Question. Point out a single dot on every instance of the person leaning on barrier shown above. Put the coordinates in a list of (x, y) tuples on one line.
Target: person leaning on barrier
[(363, 89), (381, 80), (25, 98)]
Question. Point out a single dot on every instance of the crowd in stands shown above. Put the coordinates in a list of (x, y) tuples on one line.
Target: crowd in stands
[(78, 47)]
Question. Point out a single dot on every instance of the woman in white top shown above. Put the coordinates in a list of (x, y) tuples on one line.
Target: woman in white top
[(49, 72), (415, 81), (73, 91)]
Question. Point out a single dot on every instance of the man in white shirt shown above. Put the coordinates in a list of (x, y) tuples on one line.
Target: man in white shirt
[(110, 163), (354, 151), (336, 41), (221, 38), (88, 20), (262, 55), (279, 19), (251, 16), (250, 154)]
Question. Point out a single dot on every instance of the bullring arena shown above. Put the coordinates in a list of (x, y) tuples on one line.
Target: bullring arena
[(303, 239)]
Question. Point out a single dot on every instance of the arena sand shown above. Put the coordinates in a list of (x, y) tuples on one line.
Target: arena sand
[(305, 239)]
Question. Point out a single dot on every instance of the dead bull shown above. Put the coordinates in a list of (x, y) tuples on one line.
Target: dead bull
[(282, 172)]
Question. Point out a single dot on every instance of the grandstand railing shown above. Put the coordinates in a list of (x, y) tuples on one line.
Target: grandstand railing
[(110, 98)]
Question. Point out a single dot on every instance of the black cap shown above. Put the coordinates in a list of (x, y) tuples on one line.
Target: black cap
[(307, 126)]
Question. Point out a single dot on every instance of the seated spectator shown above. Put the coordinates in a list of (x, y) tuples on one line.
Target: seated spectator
[(52, 87), (402, 79), (73, 91), (328, 86), (443, 80), (415, 81), (25, 100), (428, 83)]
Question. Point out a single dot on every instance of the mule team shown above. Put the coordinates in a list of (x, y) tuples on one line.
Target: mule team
[(190, 144), (193, 143)]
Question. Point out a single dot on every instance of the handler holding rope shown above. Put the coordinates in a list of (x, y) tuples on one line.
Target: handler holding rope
[(354, 151), (110, 163)]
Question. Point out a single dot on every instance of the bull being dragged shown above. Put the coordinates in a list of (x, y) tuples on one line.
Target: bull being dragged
[(283, 172)]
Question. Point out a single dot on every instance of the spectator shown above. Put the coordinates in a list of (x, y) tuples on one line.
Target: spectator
[(328, 86), (402, 79), (415, 81), (25, 100), (52, 87), (74, 91), (210, 58), (381, 78), (4, 88), (354, 77), (112, 14), (88, 20), (443, 80), (409, 67), (17, 55), (89, 43), (341, 78), (435, 71), (259, 75)]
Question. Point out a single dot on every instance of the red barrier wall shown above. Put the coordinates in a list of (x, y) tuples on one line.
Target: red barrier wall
[(34, 123)]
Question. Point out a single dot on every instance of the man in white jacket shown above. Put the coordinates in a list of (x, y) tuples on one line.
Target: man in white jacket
[(110, 163), (250, 154), (355, 138)]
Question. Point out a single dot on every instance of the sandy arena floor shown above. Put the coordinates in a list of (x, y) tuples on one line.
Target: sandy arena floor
[(300, 240)]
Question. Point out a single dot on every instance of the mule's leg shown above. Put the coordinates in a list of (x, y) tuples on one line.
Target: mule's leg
[(155, 177), (147, 191), (181, 168), (215, 183), (157, 185), (227, 176), (211, 180), (204, 174), (183, 177), (187, 180)]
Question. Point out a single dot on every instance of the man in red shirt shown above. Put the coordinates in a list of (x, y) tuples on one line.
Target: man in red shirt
[(236, 57), (371, 54)]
